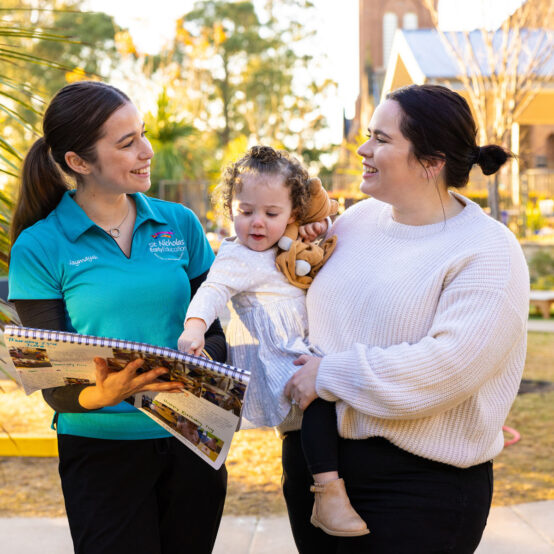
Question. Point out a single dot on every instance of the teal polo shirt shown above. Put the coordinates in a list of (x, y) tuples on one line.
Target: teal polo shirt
[(143, 297)]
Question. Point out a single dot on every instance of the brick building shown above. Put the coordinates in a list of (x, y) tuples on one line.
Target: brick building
[(378, 22)]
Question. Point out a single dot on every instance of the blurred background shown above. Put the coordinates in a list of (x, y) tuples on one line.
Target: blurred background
[(213, 78)]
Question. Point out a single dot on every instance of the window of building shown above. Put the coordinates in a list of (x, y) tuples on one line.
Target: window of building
[(390, 24), (540, 161), (409, 21)]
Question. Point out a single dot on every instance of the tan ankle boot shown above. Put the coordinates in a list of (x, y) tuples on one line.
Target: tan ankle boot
[(333, 512)]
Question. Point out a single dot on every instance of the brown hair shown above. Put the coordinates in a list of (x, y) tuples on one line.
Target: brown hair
[(439, 124), (73, 122), (264, 160)]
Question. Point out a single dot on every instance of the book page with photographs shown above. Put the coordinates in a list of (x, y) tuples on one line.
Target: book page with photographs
[(8, 316), (204, 416), (42, 364)]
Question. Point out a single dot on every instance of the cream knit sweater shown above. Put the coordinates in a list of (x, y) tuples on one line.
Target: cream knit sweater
[(424, 330)]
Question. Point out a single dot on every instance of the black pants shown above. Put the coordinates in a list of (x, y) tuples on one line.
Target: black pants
[(132, 496), (411, 505), (320, 437)]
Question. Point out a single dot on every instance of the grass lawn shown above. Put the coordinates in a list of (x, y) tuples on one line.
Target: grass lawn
[(523, 471)]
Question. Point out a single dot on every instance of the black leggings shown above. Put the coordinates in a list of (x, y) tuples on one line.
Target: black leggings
[(411, 505), (130, 496), (320, 436)]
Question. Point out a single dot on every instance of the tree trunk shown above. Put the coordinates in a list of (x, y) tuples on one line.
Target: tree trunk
[(494, 201), (523, 201), (226, 99)]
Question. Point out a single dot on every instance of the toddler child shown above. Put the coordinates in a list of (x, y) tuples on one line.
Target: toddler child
[(264, 191)]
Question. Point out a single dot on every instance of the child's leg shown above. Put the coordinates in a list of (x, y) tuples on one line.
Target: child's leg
[(332, 511), (320, 440)]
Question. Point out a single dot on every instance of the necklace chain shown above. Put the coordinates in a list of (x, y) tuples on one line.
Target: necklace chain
[(115, 232)]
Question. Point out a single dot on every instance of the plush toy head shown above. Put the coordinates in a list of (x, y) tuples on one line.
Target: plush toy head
[(299, 261), (320, 207)]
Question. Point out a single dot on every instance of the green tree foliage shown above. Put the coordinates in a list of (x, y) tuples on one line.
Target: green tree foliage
[(541, 270), (84, 45), (246, 71), (17, 98), (166, 133), (90, 52), (226, 35), (37, 56), (6, 207)]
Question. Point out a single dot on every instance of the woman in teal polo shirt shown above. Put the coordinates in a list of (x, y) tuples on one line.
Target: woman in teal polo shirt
[(104, 259)]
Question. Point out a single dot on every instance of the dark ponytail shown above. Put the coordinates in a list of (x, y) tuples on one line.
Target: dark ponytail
[(42, 187), (491, 158), (439, 124), (73, 122)]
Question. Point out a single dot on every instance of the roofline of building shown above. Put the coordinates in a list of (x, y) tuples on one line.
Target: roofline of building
[(401, 50)]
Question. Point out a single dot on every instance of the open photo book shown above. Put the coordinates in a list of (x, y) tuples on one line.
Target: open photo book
[(204, 416)]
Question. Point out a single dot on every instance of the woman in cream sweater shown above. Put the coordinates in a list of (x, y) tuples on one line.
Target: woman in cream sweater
[(421, 312)]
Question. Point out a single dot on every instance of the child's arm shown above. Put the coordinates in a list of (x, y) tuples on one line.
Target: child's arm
[(215, 346), (220, 285), (191, 340), (227, 277)]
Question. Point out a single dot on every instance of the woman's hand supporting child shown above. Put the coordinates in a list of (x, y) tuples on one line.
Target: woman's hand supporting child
[(300, 388)]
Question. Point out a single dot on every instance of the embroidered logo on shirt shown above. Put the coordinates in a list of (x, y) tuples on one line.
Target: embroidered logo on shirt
[(82, 260), (167, 247), (164, 234)]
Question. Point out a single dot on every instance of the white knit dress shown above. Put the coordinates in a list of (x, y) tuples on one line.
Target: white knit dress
[(424, 329), (268, 327)]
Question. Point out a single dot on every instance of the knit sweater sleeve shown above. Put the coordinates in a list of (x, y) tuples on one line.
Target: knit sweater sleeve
[(480, 316), (230, 274)]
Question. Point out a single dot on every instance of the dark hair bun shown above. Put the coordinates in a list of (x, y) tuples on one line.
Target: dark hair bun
[(264, 154), (492, 158)]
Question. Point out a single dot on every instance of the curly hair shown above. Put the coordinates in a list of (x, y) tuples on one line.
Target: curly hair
[(264, 160)]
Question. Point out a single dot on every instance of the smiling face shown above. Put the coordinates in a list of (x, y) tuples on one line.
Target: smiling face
[(390, 167), (123, 154), (261, 210)]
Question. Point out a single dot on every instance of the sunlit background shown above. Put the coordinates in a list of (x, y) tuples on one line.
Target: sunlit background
[(335, 42), (213, 77)]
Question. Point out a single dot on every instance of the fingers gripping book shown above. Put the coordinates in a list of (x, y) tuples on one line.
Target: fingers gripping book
[(204, 416)]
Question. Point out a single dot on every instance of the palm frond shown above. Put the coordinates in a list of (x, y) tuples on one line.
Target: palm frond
[(5, 145), (10, 163), (33, 33), (16, 95), (20, 102)]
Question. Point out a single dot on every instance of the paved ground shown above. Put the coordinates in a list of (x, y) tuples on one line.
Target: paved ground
[(521, 529), (541, 325)]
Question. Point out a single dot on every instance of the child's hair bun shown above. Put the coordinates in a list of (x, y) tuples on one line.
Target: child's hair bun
[(264, 154)]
